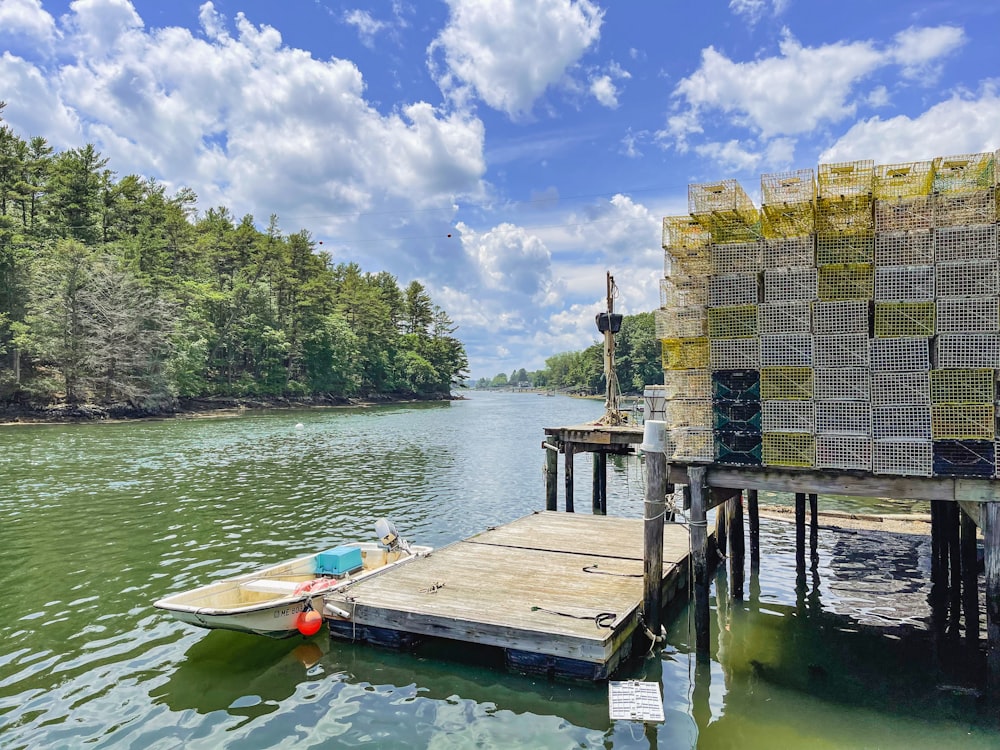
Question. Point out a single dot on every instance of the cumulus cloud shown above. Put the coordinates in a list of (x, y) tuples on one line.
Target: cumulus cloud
[(964, 123), (26, 17), (508, 54), (797, 91)]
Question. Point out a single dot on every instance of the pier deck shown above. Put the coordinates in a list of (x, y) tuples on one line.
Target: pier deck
[(559, 593)]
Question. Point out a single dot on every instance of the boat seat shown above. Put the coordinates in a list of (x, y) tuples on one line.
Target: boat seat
[(271, 586)]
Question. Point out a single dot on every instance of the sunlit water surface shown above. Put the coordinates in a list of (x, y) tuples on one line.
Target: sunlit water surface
[(98, 521)]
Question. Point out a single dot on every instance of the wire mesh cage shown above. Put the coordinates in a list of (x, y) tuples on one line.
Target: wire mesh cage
[(685, 353), (845, 316), (789, 252), (784, 188), (788, 220), (968, 314), (733, 227), (962, 386), (695, 262), (790, 449), (693, 445), (733, 322), (786, 350), (963, 421), (736, 385), (853, 215), (790, 284), (733, 289), (844, 350), (788, 416), (842, 281), (904, 180), (787, 383), (684, 232), (908, 354), (736, 416), (683, 291), (695, 384), (967, 350), (841, 247), (843, 384), (904, 214), (959, 209), (908, 458), (725, 196), (738, 448), (902, 421), (737, 257), (978, 242), (654, 403), (904, 283), (963, 172), (846, 179), (844, 417), (734, 354), (965, 278), (964, 458), (850, 452), (895, 319), (688, 413), (901, 388), (904, 248), (784, 317), (680, 322)]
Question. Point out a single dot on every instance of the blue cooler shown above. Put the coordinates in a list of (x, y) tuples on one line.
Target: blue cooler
[(338, 561)]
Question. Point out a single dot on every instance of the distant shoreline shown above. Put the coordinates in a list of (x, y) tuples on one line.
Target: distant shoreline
[(203, 408)]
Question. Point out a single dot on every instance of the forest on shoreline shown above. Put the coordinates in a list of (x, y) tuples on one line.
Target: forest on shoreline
[(120, 297)]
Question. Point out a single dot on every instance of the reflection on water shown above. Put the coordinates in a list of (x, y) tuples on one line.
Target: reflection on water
[(97, 521)]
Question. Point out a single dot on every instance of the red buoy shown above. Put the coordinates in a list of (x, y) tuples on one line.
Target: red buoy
[(309, 622)]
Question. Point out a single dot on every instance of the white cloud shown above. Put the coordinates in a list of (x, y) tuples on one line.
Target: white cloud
[(961, 124), (603, 89), (508, 54), (367, 26), (509, 259), (731, 155), (26, 17), (919, 50), (753, 10), (45, 114), (99, 27)]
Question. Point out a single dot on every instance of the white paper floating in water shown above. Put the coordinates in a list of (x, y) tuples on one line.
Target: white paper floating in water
[(299, 426), (633, 700)]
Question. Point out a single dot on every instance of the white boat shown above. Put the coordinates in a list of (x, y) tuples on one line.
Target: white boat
[(270, 601)]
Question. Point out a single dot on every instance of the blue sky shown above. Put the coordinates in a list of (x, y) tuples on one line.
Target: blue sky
[(506, 153)]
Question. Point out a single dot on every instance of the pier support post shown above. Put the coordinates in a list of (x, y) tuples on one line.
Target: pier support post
[(655, 508), (551, 475), (813, 531), (737, 547), (970, 577), (800, 533), (991, 544), (754, 514), (722, 529), (568, 448), (699, 548), (599, 502)]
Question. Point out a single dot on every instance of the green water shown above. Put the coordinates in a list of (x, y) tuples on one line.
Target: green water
[(98, 521)]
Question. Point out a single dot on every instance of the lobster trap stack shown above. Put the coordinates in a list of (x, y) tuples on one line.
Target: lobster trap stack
[(851, 323)]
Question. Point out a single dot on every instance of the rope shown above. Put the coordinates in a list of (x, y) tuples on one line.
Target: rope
[(433, 588), (593, 569), (601, 619)]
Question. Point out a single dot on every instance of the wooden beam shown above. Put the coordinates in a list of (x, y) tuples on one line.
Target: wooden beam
[(813, 530), (970, 577), (695, 482), (551, 474), (800, 533), (737, 547), (569, 451), (839, 483), (655, 508), (754, 514)]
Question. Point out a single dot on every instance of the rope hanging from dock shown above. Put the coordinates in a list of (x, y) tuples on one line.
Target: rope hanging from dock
[(601, 619)]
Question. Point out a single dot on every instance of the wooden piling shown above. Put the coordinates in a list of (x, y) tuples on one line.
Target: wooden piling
[(753, 512), (970, 577), (568, 448), (595, 484), (813, 531), (737, 547), (655, 507), (604, 482), (699, 549), (991, 543), (551, 475), (800, 533), (722, 529)]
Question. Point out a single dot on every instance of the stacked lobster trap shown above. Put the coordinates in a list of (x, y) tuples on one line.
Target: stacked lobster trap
[(851, 323)]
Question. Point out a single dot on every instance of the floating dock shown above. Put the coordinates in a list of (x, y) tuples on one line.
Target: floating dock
[(559, 593)]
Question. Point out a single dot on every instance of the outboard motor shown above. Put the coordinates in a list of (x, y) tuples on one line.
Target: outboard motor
[(385, 530)]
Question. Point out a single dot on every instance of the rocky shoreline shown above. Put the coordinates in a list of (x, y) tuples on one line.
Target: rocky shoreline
[(31, 413)]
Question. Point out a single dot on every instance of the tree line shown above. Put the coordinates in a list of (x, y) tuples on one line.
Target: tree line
[(113, 291), (638, 363)]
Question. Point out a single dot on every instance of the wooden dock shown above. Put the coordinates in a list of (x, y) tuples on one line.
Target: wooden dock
[(561, 594)]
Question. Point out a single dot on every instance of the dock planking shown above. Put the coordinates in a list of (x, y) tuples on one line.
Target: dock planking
[(559, 593)]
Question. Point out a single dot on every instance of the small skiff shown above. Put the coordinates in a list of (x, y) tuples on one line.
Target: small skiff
[(271, 601)]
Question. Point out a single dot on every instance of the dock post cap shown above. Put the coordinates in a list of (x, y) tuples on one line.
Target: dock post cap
[(654, 437)]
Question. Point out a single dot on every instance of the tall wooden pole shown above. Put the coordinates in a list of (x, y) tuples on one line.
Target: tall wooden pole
[(699, 549), (611, 411), (604, 482), (813, 531), (568, 448), (754, 514), (991, 544), (655, 508), (800, 533), (551, 475), (737, 547), (970, 577)]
